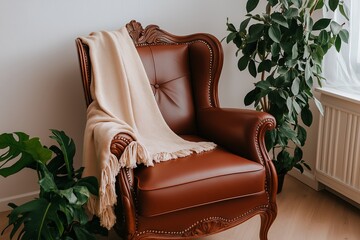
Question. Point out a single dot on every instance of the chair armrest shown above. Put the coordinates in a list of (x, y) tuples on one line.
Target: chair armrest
[(239, 130), (117, 147), (125, 183), (119, 143)]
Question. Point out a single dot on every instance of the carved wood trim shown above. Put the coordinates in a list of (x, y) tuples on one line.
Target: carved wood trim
[(152, 34), (207, 227)]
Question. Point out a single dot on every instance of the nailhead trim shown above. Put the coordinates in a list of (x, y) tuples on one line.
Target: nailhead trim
[(209, 219), (259, 152)]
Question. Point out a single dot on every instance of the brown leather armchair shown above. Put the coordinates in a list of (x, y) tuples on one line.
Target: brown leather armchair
[(203, 193)]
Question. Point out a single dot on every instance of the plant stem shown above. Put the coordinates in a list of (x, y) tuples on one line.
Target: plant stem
[(313, 8), (264, 100), (42, 221)]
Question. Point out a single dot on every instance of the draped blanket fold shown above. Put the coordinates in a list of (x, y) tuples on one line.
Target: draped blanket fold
[(123, 102)]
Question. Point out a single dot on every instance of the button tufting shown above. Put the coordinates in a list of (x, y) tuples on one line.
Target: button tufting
[(156, 85)]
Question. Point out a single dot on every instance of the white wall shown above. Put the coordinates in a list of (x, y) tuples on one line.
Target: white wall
[(40, 86)]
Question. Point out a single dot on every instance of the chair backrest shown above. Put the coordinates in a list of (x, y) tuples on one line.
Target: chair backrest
[(183, 71)]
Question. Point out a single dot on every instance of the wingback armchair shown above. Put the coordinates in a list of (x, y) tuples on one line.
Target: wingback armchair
[(204, 193)]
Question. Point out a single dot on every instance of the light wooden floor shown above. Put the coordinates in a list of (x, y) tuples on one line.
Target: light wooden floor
[(303, 214)]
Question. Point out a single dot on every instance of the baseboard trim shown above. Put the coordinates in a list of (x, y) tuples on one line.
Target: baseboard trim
[(307, 178), (17, 199)]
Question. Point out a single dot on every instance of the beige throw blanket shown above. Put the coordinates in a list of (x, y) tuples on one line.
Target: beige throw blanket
[(123, 102)]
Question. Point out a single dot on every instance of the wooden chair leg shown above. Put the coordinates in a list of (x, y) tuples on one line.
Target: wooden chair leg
[(267, 218)]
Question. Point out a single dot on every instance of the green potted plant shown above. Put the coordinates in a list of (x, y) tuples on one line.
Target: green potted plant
[(58, 212), (285, 47)]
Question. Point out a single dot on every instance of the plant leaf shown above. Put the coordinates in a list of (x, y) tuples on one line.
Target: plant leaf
[(319, 5), (297, 3), (265, 66), (29, 150), (250, 97), (252, 68), (279, 19), (255, 31), (295, 86), (335, 27), (301, 135), (306, 116), (244, 24), (36, 216), (333, 4), (291, 13), (321, 24), (319, 106), (338, 43), (344, 35), (243, 62), (275, 33), (67, 147), (82, 234), (231, 27), (47, 182), (91, 183), (344, 11), (251, 5)]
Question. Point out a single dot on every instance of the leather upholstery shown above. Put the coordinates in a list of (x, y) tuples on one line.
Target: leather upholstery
[(168, 71), (203, 193), (196, 180)]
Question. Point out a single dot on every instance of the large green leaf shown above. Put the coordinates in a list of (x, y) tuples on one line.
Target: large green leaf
[(25, 151), (67, 147), (38, 216)]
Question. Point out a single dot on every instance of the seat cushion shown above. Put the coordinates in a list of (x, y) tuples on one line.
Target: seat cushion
[(196, 180)]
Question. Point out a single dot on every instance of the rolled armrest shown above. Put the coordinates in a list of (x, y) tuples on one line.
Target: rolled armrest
[(119, 143), (125, 183), (239, 130), (117, 147)]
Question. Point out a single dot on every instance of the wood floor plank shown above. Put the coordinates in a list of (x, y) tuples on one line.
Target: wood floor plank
[(303, 214)]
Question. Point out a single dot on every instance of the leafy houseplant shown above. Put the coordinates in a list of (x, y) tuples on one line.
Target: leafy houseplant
[(58, 212), (286, 46)]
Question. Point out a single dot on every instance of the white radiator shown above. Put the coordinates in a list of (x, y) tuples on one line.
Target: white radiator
[(338, 152)]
